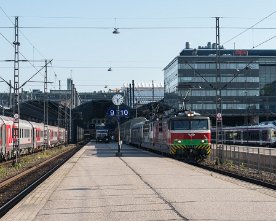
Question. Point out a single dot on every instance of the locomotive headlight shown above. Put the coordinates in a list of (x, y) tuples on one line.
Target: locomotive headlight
[(202, 141), (179, 141)]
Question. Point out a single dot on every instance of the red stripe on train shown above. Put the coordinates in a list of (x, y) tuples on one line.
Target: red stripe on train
[(185, 136)]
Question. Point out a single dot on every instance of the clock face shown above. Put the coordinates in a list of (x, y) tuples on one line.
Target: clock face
[(117, 99)]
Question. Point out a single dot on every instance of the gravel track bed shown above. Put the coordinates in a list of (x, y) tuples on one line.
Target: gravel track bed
[(13, 188), (266, 178)]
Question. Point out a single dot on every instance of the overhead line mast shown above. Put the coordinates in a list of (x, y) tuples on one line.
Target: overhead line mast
[(45, 120), (219, 135), (16, 108)]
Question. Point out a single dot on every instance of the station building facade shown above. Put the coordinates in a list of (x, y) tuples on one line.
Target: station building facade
[(142, 93), (246, 80)]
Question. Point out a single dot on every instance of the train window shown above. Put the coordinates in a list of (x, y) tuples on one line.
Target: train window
[(238, 136), (180, 125), (199, 124), (160, 127), (230, 135), (264, 135), (146, 128), (250, 135)]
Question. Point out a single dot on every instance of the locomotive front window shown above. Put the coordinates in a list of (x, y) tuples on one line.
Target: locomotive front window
[(199, 124), (180, 125)]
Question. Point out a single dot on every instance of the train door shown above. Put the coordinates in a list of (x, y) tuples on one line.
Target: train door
[(145, 132), (50, 137), (34, 135), (9, 140), (165, 132), (273, 137), (161, 136), (2, 142), (151, 133), (155, 126)]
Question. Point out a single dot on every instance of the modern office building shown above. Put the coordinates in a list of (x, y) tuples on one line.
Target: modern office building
[(245, 81)]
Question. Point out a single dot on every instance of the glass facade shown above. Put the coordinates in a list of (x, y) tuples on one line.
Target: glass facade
[(247, 84)]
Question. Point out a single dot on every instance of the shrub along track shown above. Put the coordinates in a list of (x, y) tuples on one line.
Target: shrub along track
[(261, 178), (15, 188)]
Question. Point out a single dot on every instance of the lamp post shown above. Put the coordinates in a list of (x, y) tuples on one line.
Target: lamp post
[(119, 154), (118, 99)]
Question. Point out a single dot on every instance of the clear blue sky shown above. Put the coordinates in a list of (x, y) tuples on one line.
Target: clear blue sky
[(152, 33)]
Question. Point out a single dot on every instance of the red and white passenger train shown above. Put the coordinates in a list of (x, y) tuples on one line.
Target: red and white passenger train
[(31, 137), (186, 135)]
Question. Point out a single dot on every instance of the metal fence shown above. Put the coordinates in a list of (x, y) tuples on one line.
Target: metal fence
[(260, 160)]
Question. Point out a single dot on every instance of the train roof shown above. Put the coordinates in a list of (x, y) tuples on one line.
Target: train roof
[(138, 124), (186, 117), (6, 119), (250, 127), (268, 123), (134, 121), (185, 114)]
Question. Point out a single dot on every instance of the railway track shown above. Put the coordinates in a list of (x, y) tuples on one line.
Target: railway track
[(14, 189), (250, 177)]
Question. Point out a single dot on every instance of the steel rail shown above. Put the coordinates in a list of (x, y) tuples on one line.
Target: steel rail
[(12, 202), (237, 176)]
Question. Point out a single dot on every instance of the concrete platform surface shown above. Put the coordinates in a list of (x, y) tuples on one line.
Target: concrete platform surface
[(97, 185)]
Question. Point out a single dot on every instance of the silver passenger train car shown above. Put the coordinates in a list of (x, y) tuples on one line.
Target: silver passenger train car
[(263, 134)]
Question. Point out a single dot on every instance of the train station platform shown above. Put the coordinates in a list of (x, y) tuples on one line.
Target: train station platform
[(96, 185)]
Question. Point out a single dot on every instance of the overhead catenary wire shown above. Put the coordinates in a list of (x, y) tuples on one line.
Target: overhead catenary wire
[(251, 27), (131, 18), (21, 32), (246, 66), (19, 52), (141, 27), (25, 38), (265, 41), (153, 27)]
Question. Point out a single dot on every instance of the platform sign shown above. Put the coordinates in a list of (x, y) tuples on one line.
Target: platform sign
[(123, 112), (115, 112), (111, 113)]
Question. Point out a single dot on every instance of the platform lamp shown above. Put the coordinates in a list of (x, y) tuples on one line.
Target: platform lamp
[(117, 100), (115, 31)]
